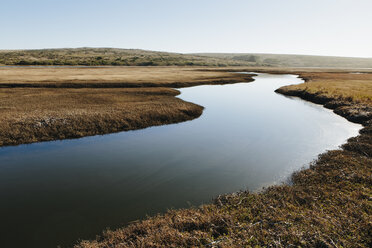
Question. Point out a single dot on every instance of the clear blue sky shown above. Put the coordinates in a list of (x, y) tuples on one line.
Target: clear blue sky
[(320, 27)]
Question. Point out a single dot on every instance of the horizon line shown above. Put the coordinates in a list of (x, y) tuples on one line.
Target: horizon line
[(193, 53)]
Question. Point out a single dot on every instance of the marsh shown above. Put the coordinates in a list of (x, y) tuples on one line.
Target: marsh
[(248, 137)]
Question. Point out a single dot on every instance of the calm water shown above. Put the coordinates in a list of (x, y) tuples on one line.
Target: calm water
[(248, 137)]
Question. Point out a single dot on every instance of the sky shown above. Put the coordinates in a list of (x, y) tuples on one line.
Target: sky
[(314, 27)]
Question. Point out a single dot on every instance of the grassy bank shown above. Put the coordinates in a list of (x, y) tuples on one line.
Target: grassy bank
[(32, 115), (349, 94), (328, 204), (42, 104), (354, 87)]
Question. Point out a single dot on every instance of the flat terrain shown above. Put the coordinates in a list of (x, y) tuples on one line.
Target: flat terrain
[(41, 104), (80, 77)]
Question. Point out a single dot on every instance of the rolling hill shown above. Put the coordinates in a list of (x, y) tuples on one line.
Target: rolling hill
[(136, 57), (286, 60)]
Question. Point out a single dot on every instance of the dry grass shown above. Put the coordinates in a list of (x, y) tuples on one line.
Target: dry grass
[(30, 115), (65, 77), (349, 94), (354, 87)]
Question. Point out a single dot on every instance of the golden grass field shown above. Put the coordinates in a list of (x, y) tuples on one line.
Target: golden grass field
[(356, 87), (113, 76)]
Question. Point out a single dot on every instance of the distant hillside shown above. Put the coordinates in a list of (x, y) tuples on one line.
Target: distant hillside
[(109, 56), (282, 60), (136, 57)]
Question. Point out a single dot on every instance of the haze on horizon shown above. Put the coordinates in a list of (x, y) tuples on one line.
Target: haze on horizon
[(317, 27)]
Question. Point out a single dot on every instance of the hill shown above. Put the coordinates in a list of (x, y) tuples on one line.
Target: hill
[(135, 57), (109, 56), (287, 60)]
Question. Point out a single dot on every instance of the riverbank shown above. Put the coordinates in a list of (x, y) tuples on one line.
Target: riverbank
[(348, 94), (327, 205), (43, 104)]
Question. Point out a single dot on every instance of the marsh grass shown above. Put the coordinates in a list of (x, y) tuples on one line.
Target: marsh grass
[(31, 115), (342, 86)]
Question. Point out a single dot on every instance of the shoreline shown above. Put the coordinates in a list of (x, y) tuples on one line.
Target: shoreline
[(357, 112), (327, 204)]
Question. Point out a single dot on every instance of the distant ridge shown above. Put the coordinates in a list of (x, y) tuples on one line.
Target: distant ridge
[(86, 56), (108, 57), (291, 60)]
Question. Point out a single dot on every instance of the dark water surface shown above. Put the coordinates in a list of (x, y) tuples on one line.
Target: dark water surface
[(248, 136)]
